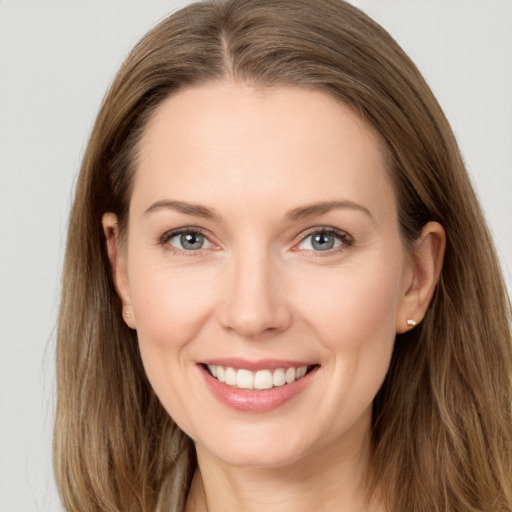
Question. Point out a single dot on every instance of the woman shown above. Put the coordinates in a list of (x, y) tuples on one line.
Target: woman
[(279, 289)]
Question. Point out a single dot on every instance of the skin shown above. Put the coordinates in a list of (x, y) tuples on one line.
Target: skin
[(258, 289)]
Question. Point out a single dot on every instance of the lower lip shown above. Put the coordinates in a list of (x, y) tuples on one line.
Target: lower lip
[(249, 400)]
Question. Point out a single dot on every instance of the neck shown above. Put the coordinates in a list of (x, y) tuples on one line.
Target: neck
[(332, 479)]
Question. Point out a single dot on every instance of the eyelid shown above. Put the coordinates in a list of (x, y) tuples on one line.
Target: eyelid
[(168, 235), (346, 239)]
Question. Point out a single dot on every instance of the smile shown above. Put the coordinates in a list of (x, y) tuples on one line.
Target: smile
[(266, 387), (258, 380)]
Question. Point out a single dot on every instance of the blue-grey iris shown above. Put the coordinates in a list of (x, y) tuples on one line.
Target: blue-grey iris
[(192, 241), (322, 242)]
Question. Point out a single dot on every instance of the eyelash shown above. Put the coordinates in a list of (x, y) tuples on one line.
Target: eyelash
[(345, 239), (169, 235)]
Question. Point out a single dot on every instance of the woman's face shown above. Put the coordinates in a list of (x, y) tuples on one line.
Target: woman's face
[(263, 242)]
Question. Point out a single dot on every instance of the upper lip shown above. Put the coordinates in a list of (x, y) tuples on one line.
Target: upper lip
[(259, 364)]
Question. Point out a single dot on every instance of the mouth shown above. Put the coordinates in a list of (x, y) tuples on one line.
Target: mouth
[(257, 387), (260, 380)]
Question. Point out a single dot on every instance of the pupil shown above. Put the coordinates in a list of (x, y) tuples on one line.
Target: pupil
[(323, 242), (192, 241)]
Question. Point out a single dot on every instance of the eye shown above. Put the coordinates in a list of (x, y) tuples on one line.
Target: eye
[(325, 240), (187, 240)]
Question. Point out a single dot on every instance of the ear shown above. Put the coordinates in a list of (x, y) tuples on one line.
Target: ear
[(426, 262), (118, 266)]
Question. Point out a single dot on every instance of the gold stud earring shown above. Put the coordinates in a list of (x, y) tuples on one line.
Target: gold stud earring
[(127, 316), (411, 323)]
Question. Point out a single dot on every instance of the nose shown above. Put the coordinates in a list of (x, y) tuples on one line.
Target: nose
[(255, 297)]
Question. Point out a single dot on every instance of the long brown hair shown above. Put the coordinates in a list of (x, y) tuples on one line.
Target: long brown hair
[(442, 422)]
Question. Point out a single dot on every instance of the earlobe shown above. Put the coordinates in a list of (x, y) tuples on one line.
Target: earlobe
[(128, 316), (426, 264), (118, 266)]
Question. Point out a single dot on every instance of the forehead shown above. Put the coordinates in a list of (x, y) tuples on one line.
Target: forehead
[(226, 141)]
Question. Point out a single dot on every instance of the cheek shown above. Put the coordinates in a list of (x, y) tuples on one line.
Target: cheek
[(353, 316), (171, 309), (352, 307), (170, 306), (352, 312)]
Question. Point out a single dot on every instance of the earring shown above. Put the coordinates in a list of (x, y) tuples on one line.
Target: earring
[(411, 323), (129, 319)]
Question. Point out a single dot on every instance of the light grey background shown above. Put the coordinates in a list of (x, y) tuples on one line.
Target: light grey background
[(56, 61)]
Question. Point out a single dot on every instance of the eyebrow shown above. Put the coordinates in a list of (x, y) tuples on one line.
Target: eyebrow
[(196, 210), (323, 207), (295, 214)]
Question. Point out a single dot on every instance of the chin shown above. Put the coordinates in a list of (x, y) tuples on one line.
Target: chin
[(269, 457), (259, 447)]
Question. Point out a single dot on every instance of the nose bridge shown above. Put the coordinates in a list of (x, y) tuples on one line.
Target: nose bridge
[(254, 302)]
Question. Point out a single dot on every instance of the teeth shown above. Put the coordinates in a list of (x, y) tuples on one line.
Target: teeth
[(279, 377), (244, 379), (300, 372), (230, 376), (262, 379)]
